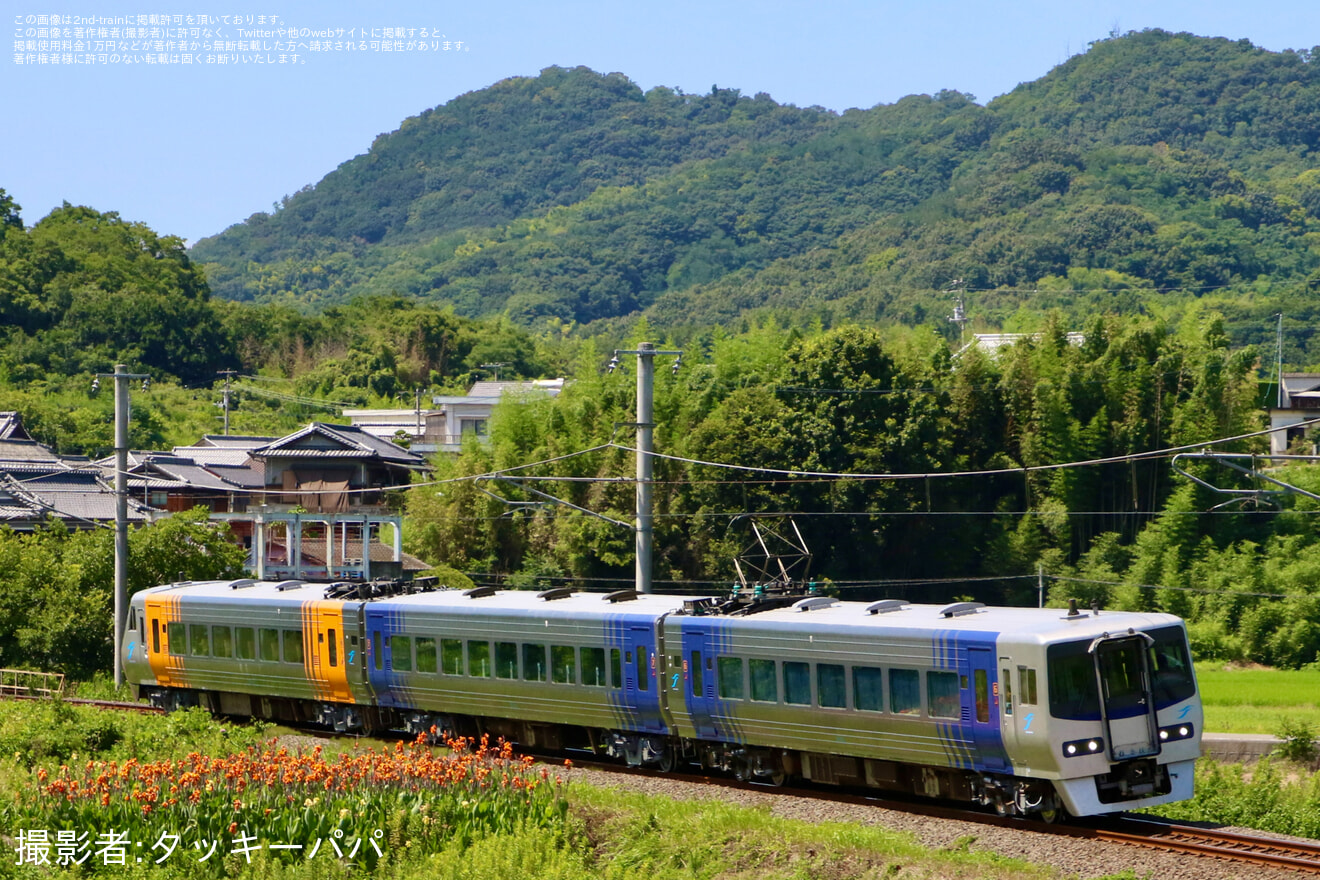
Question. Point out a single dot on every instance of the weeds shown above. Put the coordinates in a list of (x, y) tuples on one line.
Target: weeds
[(1298, 741)]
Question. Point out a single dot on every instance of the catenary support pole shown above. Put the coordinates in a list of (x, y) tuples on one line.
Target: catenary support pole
[(121, 514), (645, 440)]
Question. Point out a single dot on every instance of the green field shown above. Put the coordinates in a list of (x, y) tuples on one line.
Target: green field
[(1242, 700)]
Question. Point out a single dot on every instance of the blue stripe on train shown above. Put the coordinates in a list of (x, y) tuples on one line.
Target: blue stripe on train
[(386, 684), (634, 708), (968, 742)]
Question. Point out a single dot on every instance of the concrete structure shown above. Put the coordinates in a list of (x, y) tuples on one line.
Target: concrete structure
[(991, 343), (1298, 401), (470, 413)]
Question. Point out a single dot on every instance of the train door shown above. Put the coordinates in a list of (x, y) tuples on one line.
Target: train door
[(325, 660), (698, 682), (985, 709), (1126, 705), (641, 686)]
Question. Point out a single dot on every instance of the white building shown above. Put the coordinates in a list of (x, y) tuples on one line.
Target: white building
[(1298, 402)]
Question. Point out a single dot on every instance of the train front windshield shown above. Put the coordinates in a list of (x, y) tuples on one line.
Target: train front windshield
[(1073, 680)]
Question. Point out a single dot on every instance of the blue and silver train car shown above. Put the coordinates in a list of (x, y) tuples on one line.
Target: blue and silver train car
[(1032, 711), (1028, 710)]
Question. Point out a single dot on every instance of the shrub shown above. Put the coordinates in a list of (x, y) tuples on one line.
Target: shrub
[(1298, 741)]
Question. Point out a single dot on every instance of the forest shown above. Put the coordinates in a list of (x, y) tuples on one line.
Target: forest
[(1153, 170), (1140, 215)]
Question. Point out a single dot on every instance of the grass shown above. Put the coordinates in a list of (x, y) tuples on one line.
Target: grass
[(606, 834), (1257, 700)]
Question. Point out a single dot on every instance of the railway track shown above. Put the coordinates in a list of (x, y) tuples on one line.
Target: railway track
[(1126, 830), (1213, 843)]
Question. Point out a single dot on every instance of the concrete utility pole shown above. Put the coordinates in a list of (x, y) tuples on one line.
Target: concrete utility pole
[(228, 374), (121, 514), (121, 377), (645, 426)]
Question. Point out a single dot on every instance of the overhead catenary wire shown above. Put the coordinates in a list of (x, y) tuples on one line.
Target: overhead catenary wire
[(931, 475)]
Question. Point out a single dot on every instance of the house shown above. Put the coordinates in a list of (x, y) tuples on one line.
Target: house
[(37, 485), (470, 413), (303, 505), (321, 498), (991, 343), (421, 427), (334, 468), (1298, 401)]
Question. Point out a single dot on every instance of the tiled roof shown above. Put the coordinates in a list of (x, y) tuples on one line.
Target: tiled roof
[(319, 440), (234, 441), (79, 496), (11, 427), (13, 449), (211, 455)]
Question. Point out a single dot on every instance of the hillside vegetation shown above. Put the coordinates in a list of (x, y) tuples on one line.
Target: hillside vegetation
[(1155, 169), (1156, 194)]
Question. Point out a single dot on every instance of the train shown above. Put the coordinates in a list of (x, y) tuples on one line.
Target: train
[(1037, 712)]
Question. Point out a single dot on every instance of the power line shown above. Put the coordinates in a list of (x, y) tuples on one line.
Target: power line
[(1117, 459)]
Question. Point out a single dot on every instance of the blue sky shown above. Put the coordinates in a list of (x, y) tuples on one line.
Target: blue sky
[(192, 150)]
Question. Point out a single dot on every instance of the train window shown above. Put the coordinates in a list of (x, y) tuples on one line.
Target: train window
[(616, 668), (451, 656), (293, 646), (198, 640), (797, 683), (1170, 666), (696, 674), (593, 667), (643, 669), (533, 662), (401, 653), (378, 656), (332, 647), (563, 664), (982, 679), (1072, 689), (177, 636), (506, 660), (479, 659), (245, 643), (1007, 683), (222, 641), (268, 641), (904, 692), (132, 618), (733, 682), (868, 690), (831, 686), (425, 655), (764, 687), (942, 694), (155, 635), (1027, 691)]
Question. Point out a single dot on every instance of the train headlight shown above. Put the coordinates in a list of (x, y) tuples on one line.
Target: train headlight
[(1083, 747), (1173, 734)]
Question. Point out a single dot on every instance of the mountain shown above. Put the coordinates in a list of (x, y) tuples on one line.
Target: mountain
[(1153, 170)]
